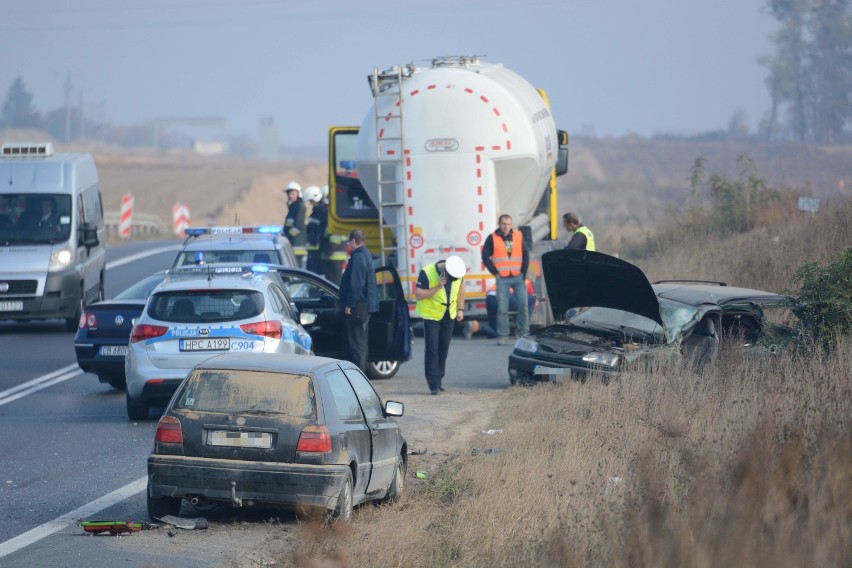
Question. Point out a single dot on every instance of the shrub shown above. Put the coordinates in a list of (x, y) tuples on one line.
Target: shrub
[(824, 300)]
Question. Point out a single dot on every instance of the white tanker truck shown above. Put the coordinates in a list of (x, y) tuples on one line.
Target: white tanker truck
[(440, 155)]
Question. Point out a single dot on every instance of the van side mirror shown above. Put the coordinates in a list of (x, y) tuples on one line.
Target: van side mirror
[(89, 235)]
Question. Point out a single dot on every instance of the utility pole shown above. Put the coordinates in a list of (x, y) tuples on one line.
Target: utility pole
[(68, 108), (82, 118)]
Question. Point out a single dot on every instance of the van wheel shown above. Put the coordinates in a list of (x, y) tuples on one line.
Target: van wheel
[(101, 295), (380, 370), (72, 323)]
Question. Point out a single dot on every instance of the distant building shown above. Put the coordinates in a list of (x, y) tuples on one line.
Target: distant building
[(268, 144)]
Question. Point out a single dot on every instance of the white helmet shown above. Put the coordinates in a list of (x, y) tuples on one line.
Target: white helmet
[(294, 186), (455, 266), (313, 193)]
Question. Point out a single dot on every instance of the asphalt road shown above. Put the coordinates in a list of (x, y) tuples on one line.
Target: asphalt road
[(69, 452)]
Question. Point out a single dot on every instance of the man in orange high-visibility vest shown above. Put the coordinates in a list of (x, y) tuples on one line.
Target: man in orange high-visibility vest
[(506, 257)]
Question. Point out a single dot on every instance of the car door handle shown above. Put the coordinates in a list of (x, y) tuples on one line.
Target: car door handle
[(374, 431)]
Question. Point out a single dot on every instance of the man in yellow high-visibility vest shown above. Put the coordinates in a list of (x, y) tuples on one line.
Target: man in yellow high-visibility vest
[(581, 236), (440, 302)]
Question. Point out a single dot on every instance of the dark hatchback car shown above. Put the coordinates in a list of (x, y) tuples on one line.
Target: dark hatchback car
[(292, 431), (104, 331), (610, 318)]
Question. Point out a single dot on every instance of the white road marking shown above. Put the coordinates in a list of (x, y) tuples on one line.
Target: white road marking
[(70, 371), (39, 383), (74, 516), (143, 254), (98, 505)]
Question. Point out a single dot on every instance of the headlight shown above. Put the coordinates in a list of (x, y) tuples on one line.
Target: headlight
[(605, 359), (527, 344), (60, 259)]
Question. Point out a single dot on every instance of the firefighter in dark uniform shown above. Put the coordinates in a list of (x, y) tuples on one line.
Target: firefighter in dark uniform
[(317, 242), (294, 222)]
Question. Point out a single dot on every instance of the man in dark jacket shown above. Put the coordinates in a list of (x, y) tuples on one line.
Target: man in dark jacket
[(358, 298)]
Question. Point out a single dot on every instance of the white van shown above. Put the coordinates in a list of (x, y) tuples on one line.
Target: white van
[(52, 254)]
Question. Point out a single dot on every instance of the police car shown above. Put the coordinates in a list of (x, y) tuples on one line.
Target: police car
[(201, 311), (261, 244)]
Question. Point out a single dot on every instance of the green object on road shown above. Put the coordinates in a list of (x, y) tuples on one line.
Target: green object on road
[(420, 474)]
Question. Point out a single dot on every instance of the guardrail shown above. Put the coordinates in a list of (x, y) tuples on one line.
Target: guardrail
[(144, 225)]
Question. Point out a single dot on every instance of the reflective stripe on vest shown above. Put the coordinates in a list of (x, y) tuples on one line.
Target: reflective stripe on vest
[(590, 238), (508, 265), (433, 307)]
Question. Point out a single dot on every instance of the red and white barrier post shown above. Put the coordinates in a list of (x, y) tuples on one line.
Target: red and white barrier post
[(180, 218), (125, 221)]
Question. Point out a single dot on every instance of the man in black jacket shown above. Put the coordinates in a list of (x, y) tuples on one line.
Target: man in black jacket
[(358, 298)]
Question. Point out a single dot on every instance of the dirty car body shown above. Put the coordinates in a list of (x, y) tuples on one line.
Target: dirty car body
[(294, 431), (611, 318)]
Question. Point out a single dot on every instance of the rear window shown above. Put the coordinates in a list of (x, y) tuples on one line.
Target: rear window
[(189, 258), (247, 392), (204, 306), (141, 290)]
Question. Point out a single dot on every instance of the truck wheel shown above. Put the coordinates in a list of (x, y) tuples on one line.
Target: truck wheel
[(381, 370), (163, 507), (136, 409)]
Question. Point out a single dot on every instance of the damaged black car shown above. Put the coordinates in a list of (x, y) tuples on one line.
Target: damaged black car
[(609, 318)]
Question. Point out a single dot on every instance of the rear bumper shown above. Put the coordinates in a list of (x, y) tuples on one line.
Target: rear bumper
[(286, 485), (91, 361)]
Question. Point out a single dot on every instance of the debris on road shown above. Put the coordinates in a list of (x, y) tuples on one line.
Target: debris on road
[(492, 431), (418, 452), (115, 528), (184, 523)]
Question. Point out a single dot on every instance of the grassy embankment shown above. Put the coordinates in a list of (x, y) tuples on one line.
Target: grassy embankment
[(751, 466)]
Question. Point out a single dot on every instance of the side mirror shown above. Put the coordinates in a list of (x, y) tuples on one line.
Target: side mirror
[(394, 408), (89, 235), (562, 161), (307, 318)]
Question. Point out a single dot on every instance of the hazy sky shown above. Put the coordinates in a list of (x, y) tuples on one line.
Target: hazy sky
[(621, 66)]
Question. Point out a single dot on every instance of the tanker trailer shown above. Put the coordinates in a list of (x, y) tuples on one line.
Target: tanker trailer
[(442, 152)]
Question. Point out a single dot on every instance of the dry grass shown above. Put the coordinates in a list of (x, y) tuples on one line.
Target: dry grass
[(749, 466)]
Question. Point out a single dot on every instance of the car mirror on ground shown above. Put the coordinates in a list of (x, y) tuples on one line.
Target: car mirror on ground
[(394, 408)]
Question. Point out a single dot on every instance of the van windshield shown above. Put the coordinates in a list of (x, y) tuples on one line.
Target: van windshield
[(34, 218)]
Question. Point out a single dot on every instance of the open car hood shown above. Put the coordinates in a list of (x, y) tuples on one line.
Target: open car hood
[(581, 278)]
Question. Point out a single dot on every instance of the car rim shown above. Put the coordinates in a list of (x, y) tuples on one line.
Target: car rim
[(385, 367)]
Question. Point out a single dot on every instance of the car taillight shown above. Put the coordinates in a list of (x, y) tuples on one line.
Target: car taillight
[(314, 439), (88, 320), (267, 328), (143, 331), (169, 431)]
